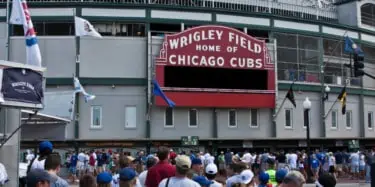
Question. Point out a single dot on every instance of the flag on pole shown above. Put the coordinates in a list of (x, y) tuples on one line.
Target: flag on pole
[(20, 15), (158, 92), (78, 88), (290, 96), (352, 47), (342, 99), (84, 28)]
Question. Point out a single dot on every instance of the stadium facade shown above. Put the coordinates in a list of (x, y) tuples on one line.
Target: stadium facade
[(304, 41)]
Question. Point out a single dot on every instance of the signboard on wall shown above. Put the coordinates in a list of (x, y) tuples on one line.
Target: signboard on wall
[(216, 66), (217, 47), (21, 85)]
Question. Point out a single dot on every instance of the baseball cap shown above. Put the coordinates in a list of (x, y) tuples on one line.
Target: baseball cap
[(45, 145), (104, 178), (183, 161), (280, 175), (127, 174), (326, 180), (196, 161), (264, 177), (211, 169), (37, 175), (202, 180), (246, 176)]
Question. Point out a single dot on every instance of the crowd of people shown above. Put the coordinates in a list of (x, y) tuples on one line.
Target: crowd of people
[(167, 168)]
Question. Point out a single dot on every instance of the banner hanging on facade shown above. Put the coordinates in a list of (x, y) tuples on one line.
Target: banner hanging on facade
[(21, 85)]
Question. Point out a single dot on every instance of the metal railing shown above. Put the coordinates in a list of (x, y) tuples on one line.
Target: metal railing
[(271, 7)]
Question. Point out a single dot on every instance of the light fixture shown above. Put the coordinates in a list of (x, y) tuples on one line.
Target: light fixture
[(307, 104), (327, 89)]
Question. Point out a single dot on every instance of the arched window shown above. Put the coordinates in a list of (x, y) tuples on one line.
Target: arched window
[(368, 14)]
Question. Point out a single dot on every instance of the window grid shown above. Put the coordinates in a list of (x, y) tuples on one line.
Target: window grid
[(349, 119), (193, 118), (334, 119), (169, 117), (370, 120), (254, 116), (289, 118), (96, 117), (232, 118)]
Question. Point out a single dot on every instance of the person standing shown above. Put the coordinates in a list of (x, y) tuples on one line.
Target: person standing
[(73, 167), (45, 149), (151, 161), (163, 169), (53, 166), (183, 164)]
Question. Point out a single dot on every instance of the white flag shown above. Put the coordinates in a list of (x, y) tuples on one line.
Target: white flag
[(20, 15), (84, 28), (79, 89)]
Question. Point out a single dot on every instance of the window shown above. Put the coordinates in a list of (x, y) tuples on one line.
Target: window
[(130, 117), (169, 117), (288, 118), (193, 118), (370, 120), (298, 57), (232, 118), (254, 118), (348, 117), (48, 29), (120, 29), (96, 117), (334, 119)]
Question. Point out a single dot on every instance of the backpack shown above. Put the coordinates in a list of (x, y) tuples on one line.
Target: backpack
[(92, 160)]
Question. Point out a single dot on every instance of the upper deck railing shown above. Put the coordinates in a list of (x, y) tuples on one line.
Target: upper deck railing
[(310, 12)]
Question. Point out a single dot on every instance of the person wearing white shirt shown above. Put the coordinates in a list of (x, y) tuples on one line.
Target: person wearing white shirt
[(292, 160), (30, 156), (151, 161), (247, 158), (183, 164), (211, 171), (45, 149), (354, 164)]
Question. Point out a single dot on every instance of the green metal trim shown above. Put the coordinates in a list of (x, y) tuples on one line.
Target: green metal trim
[(63, 19), (59, 81), (178, 21), (214, 18), (125, 19), (98, 81), (114, 81), (317, 88)]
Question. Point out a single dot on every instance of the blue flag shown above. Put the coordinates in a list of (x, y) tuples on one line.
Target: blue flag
[(158, 92), (351, 47)]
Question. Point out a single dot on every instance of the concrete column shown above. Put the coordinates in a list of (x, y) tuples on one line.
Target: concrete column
[(9, 153)]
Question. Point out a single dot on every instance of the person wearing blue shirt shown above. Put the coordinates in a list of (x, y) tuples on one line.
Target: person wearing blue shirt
[(315, 165), (228, 158), (73, 166)]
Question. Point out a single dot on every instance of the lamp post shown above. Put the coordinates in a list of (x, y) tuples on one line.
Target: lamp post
[(327, 89), (306, 108)]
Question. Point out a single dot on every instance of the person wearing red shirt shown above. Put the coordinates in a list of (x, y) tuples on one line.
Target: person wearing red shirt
[(163, 169)]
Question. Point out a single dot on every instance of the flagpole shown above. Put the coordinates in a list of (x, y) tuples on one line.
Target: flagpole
[(279, 109), (331, 108), (282, 103), (76, 95), (7, 32)]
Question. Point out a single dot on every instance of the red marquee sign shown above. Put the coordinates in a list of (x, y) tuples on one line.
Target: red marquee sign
[(216, 47)]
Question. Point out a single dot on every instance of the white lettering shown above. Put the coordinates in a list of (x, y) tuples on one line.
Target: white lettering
[(211, 48), (173, 43), (247, 63), (201, 61)]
